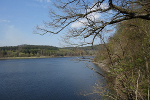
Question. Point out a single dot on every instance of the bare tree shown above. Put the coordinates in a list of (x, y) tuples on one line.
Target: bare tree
[(88, 18)]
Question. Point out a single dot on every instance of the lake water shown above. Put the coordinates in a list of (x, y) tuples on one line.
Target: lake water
[(47, 79)]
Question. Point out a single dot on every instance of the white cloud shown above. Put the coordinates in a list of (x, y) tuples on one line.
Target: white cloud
[(4, 21), (104, 6), (93, 16), (84, 21), (79, 23)]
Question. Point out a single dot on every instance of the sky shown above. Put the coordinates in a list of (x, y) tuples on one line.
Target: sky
[(18, 19)]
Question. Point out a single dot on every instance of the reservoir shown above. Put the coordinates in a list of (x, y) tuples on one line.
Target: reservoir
[(48, 79)]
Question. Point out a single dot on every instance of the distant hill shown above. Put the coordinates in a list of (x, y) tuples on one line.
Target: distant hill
[(24, 46), (44, 50)]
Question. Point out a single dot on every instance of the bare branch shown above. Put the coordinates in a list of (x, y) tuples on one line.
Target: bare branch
[(84, 12)]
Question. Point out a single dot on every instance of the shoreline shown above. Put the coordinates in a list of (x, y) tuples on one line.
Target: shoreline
[(102, 65), (7, 58)]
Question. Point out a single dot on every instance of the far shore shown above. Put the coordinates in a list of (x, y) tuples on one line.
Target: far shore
[(5, 58)]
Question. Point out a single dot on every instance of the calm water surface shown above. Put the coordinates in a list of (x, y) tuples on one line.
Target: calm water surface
[(47, 79)]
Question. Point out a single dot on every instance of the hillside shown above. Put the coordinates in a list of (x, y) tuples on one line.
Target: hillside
[(43, 50)]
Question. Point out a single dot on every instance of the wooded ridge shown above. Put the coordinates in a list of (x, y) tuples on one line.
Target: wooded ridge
[(44, 50)]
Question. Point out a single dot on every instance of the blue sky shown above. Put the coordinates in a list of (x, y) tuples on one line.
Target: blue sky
[(18, 19)]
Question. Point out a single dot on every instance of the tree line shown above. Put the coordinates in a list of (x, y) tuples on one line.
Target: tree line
[(39, 50)]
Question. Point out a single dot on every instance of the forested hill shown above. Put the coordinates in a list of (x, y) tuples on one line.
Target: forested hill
[(43, 50), (28, 47)]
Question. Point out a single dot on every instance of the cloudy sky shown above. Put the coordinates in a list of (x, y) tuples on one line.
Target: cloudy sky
[(18, 18)]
